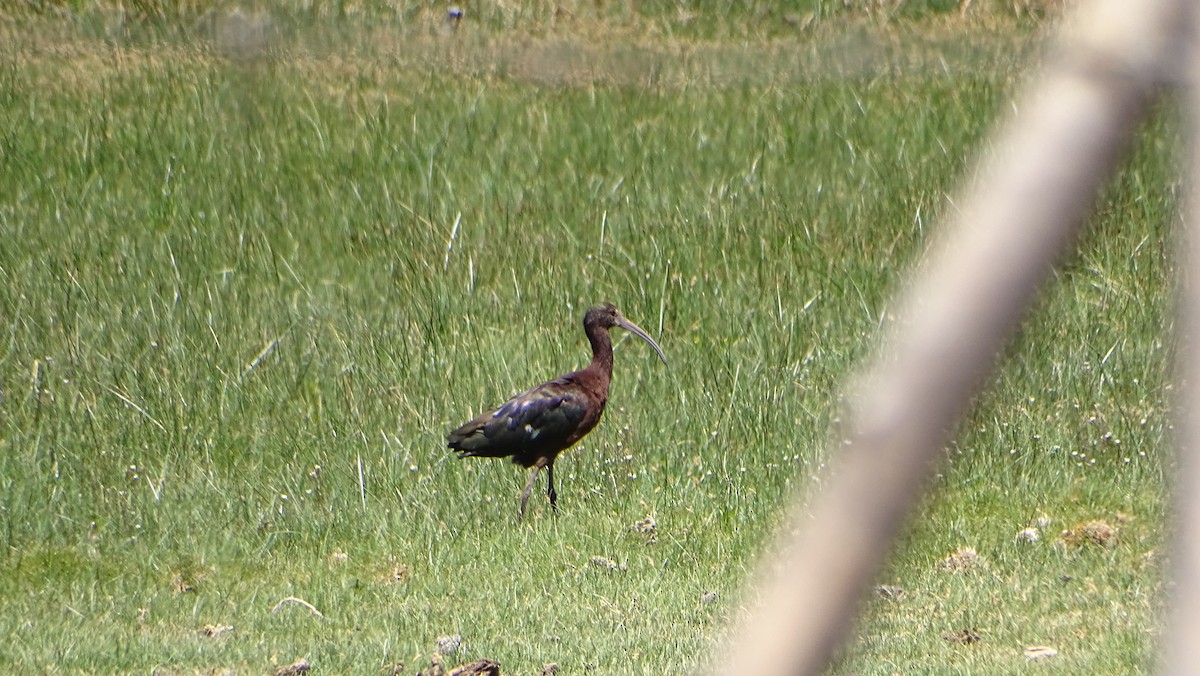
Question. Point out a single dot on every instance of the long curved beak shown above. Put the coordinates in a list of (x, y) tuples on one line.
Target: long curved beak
[(637, 331)]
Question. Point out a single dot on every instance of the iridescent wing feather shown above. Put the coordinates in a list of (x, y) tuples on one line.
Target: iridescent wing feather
[(546, 417)]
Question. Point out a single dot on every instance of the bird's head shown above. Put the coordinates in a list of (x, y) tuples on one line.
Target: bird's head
[(606, 316)]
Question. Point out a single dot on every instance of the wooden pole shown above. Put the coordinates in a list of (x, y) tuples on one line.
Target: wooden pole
[(1031, 197), (1182, 649)]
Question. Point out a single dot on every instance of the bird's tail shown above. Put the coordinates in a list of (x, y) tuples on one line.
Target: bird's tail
[(468, 440)]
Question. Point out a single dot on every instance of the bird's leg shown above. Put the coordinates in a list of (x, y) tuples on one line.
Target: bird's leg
[(528, 488), (550, 491)]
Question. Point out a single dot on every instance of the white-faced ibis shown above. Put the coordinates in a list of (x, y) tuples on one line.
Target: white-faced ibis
[(535, 426)]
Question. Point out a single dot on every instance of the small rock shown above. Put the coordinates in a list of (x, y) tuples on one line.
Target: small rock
[(963, 636), (1093, 533), (603, 562), (450, 645), (215, 630), (708, 596), (550, 669), (435, 667), (964, 559), (180, 585), (889, 592), (399, 573), (646, 526), (300, 666), (1100, 533), (1040, 653), (1029, 535), (483, 667)]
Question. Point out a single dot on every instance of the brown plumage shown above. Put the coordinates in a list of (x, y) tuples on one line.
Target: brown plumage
[(535, 426)]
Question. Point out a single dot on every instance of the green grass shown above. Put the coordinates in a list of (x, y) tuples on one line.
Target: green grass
[(243, 301)]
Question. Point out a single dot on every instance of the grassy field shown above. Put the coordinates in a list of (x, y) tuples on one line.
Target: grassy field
[(244, 295)]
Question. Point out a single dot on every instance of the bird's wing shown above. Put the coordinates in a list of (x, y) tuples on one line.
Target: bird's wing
[(543, 417)]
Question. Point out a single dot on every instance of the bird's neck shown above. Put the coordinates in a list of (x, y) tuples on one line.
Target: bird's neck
[(602, 355)]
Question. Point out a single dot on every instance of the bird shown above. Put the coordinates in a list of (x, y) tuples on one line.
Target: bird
[(535, 426), (450, 21)]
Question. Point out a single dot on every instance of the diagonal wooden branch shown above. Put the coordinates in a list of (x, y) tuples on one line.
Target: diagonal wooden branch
[(1182, 649), (1018, 218)]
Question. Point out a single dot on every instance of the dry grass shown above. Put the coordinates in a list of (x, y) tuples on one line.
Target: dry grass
[(572, 53)]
